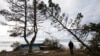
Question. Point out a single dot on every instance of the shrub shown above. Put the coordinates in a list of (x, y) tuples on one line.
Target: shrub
[(52, 44)]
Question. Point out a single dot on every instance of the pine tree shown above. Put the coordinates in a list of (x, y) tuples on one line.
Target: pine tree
[(25, 14)]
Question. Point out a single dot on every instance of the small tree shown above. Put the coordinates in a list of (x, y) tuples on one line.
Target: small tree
[(15, 45), (95, 41), (52, 44)]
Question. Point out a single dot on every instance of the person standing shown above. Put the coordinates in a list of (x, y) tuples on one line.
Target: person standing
[(71, 46)]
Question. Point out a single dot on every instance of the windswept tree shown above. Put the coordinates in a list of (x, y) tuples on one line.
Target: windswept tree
[(62, 22), (27, 15), (95, 41)]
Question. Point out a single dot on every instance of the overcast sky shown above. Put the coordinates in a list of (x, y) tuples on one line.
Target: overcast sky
[(89, 8)]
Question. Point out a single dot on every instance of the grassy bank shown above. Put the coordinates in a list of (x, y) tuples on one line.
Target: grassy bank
[(41, 53)]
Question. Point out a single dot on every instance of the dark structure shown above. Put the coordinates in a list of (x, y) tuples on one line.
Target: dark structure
[(71, 46)]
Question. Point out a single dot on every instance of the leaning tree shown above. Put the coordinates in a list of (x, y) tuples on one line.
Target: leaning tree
[(62, 22)]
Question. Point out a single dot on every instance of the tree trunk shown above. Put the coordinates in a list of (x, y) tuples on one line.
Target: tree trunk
[(30, 48), (35, 28), (31, 43), (25, 23)]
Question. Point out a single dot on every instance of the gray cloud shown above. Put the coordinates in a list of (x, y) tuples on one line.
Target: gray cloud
[(89, 8), (3, 4)]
